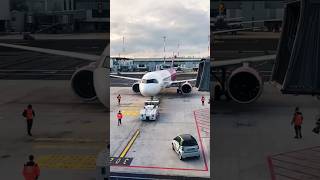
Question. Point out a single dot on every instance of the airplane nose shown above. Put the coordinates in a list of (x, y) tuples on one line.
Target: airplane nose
[(149, 90)]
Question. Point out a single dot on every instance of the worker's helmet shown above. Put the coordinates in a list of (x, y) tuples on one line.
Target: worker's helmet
[(31, 157)]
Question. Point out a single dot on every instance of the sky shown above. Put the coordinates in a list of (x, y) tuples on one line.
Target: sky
[(144, 23)]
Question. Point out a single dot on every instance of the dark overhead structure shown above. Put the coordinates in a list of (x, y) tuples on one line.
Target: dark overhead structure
[(203, 77), (297, 66)]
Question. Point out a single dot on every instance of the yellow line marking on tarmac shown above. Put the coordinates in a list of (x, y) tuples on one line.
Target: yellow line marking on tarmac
[(130, 111), (59, 161), (129, 145)]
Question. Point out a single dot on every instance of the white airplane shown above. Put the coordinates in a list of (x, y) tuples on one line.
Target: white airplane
[(152, 83), (243, 85)]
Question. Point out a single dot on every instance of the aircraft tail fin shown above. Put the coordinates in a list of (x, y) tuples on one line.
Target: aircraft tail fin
[(172, 61)]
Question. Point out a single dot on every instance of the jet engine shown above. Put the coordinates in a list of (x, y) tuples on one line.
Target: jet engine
[(244, 85), (186, 88), (82, 83), (135, 87), (90, 82)]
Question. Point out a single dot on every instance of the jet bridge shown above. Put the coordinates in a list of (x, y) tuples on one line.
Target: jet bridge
[(203, 76), (297, 66)]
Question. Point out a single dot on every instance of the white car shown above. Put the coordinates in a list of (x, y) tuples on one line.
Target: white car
[(185, 146), (150, 110)]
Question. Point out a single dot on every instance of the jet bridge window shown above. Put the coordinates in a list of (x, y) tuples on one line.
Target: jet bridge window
[(148, 81)]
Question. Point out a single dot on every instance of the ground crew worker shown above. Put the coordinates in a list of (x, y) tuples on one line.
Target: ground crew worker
[(297, 122), (119, 116), (119, 99), (202, 100), (31, 170), (317, 128), (29, 114)]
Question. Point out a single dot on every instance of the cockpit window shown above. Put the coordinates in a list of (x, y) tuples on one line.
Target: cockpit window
[(148, 81)]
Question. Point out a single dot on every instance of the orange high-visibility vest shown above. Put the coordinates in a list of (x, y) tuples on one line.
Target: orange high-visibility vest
[(298, 120), (119, 116), (29, 113), (30, 172)]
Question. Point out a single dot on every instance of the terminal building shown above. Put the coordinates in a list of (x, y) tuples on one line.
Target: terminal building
[(250, 10), (4, 15), (151, 64), (62, 16)]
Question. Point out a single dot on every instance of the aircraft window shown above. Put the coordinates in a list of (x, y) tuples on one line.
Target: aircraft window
[(151, 81), (148, 81)]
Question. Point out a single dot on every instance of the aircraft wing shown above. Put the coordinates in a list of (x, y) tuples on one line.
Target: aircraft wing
[(182, 81), (83, 56), (125, 77), (233, 30), (243, 60), (177, 83), (255, 21)]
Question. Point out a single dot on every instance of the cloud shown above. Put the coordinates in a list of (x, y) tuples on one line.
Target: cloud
[(143, 23)]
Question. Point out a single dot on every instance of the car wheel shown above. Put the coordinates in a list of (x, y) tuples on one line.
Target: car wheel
[(172, 146), (180, 157)]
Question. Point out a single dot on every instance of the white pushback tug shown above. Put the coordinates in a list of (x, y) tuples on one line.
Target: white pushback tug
[(150, 110)]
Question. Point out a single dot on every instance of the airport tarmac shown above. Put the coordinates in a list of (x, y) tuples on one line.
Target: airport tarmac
[(246, 136), (150, 152), (68, 134)]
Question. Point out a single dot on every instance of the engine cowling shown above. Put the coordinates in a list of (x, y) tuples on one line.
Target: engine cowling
[(90, 82), (244, 85), (218, 90), (135, 88), (101, 83), (186, 88), (82, 83)]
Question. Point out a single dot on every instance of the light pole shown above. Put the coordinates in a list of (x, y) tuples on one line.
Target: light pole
[(178, 49), (164, 49), (123, 49)]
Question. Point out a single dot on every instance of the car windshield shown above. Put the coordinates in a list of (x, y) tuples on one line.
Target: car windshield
[(189, 142)]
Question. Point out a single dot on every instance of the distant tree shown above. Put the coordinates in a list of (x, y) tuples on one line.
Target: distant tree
[(19, 5)]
